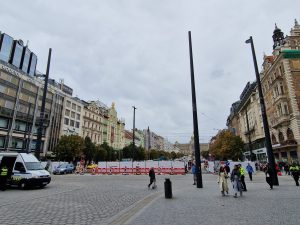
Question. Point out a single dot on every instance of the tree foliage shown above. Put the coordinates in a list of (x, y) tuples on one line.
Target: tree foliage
[(69, 148), (227, 146)]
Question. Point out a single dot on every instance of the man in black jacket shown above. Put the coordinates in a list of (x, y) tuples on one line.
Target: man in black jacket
[(152, 177)]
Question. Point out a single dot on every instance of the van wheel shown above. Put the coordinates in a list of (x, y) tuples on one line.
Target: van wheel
[(22, 185)]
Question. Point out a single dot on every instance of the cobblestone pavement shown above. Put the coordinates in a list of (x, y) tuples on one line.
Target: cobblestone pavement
[(191, 205), (73, 199), (117, 199)]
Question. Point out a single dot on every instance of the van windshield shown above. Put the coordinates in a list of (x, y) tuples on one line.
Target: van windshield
[(34, 166)]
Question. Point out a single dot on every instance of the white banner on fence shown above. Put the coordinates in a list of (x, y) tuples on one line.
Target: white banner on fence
[(141, 167)]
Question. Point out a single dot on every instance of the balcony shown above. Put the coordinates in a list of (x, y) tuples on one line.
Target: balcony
[(280, 121), (280, 97)]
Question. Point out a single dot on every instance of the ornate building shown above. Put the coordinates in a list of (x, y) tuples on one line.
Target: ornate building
[(280, 78), (101, 124)]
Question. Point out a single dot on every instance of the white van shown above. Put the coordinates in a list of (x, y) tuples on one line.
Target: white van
[(24, 170)]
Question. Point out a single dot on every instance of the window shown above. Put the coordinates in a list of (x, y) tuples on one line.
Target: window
[(33, 61), (72, 123), (20, 126), (26, 58), (17, 54), (9, 104), (16, 143), (3, 123), (67, 113), (68, 104), (77, 124), (78, 116), (73, 114), (281, 88), (73, 106), (66, 121), (6, 47), (78, 108), (2, 141)]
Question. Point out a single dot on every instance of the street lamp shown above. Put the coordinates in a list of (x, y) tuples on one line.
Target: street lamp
[(42, 113), (264, 116), (195, 119), (133, 137)]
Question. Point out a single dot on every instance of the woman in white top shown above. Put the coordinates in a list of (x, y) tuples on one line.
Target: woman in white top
[(223, 181)]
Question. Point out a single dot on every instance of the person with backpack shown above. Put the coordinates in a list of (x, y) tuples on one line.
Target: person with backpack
[(152, 178)]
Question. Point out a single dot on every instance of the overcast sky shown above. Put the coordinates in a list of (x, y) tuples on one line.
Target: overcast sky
[(135, 53)]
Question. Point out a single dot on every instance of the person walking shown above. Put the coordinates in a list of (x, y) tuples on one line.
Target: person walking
[(152, 178), (249, 169), (3, 177), (227, 168), (242, 171), (294, 169), (269, 176), (235, 179), (222, 181), (194, 173)]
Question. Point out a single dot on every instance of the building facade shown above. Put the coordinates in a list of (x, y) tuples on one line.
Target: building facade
[(101, 124), (280, 80), (281, 89), (21, 99)]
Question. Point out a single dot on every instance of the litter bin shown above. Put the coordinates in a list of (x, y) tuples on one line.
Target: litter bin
[(168, 188)]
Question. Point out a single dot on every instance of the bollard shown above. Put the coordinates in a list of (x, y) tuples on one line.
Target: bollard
[(168, 188)]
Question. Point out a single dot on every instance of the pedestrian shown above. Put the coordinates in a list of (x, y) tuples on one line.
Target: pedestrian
[(222, 181), (235, 179), (194, 173), (227, 168), (3, 177), (269, 175), (152, 178), (249, 169), (294, 169), (287, 169), (242, 171)]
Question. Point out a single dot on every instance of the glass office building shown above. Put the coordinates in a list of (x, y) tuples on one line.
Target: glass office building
[(6, 43), (14, 52), (25, 60), (17, 54)]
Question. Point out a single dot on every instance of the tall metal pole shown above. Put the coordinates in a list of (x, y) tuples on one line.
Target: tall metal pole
[(133, 134), (264, 116), (42, 114), (249, 135), (149, 147), (195, 119)]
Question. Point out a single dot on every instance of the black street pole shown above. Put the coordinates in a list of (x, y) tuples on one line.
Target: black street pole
[(249, 136), (42, 113), (195, 119), (133, 134), (149, 147), (264, 116)]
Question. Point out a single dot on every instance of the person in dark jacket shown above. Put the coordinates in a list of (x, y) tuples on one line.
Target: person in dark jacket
[(295, 173), (236, 180), (152, 177), (269, 176), (3, 177)]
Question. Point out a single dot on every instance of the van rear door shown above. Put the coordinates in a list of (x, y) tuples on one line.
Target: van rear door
[(9, 162)]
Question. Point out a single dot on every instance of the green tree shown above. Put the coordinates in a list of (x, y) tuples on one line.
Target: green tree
[(89, 149), (100, 154), (69, 148), (226, 146)]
